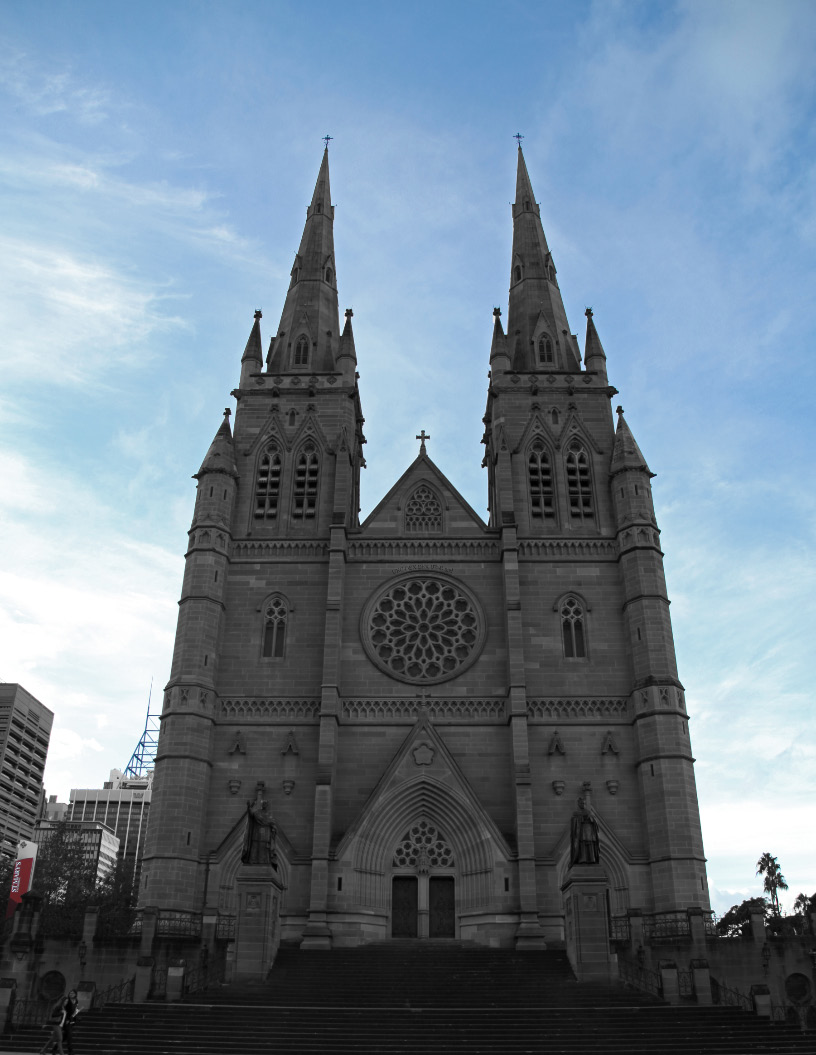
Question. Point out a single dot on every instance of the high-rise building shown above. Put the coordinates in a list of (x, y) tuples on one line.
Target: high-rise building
[(100, 846), (25, 731), (422, 698), (123, 805)]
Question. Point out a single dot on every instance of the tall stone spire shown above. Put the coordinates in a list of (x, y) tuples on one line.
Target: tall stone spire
[(538, 333), (308, 337)]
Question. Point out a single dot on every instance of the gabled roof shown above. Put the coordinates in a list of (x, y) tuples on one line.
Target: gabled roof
[(424, 469)]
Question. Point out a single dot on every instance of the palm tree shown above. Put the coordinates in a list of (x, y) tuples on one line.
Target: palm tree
[(774, 881)]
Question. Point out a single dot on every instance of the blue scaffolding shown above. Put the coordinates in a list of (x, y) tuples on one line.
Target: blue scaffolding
[(143, 758)]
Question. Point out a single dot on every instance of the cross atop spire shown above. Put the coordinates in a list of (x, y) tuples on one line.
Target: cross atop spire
[(518, 138), (422, 437), (327, 140)]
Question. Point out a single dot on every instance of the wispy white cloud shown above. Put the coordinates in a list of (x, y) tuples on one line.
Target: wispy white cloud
[(44, 92)]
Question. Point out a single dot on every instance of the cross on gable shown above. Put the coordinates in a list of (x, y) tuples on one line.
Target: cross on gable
[(422, 437)]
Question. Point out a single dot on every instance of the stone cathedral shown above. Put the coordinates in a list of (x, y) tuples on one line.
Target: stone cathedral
[(402, 714)]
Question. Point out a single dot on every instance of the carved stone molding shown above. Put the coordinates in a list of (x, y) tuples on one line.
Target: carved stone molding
[(266, 710), (271, 549), (422, 549), (550, 710), (447, 710), (567, 549)]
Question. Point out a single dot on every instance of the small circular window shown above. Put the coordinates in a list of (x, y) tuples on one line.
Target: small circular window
[(423, 629)]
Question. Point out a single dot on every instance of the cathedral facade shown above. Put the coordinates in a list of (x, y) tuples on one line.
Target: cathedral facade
[(411, 706)]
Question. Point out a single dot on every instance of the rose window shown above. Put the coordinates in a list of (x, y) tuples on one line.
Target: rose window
[(423, 844), (423, 629)]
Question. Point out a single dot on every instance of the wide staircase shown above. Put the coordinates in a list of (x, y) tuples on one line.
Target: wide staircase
[(421, 998)]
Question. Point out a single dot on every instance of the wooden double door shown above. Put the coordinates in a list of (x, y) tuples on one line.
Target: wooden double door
[(423, 906)]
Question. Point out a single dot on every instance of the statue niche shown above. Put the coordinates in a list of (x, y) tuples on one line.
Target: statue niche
[(584, 842), (261, 833)]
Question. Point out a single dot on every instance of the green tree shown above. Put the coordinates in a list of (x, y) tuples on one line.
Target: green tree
[(65, 879), (737, 920), (773, 881)]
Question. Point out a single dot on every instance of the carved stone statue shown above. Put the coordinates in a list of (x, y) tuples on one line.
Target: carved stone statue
[(584, 844), (260, 835)]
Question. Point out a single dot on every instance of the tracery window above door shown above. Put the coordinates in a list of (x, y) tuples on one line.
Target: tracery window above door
[(421, 847), (423, 512), (274, 635)]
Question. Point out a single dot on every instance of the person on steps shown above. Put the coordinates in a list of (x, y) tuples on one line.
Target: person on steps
[(64, 1017)]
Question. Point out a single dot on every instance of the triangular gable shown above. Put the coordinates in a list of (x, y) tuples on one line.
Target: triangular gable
[(273, 431), (459, 516), (310, 427), (535, 427), (422, 775), (574, 426)]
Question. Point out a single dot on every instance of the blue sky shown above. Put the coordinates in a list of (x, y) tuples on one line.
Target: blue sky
[(155, 164)]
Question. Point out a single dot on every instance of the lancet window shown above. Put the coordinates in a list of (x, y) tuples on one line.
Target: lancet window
[(301, 356), (276, 616), (423, 512), (579, 482), (545, 351), (307, 477), (267, 484), (539, 470), (572, 628)]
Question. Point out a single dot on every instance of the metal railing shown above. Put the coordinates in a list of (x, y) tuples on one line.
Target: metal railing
[(685, 983), (619, 929), (225, 928), (158, 984), (666, 925), (30, 1012), (179, 925), (121, 993), (204, 977), (640, 977), (723, 996)]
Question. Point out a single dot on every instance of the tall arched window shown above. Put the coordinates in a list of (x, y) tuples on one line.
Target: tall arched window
[(267, 484), (539, 471), (572, 628), (423, 512), (301, 357), (517, 273), (276, 615), (545, 351), (307, 475), (579, 483)]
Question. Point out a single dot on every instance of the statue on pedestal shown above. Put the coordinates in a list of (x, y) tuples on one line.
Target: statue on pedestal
[(584, 844), (261, 833)]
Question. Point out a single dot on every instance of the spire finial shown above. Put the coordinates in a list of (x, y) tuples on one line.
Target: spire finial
[(227, 413), (619, 411), (327, 140), (258, 313), (349, 313), (518, 138), (588, 313), (422, 437), (496, 313)]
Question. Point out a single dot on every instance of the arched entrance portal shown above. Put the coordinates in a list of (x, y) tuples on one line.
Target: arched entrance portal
[(423, 885)]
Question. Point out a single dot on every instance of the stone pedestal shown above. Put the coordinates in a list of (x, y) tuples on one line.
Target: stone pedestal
[(257, 931), (587, 930)]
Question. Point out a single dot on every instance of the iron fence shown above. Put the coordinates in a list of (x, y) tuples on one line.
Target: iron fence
[(667, 925), (158, 984), (204, 977), (225, 928), (685, 982), (619, 929), (121, 993), (179, 925), (723, 996), (34, 1012), (640, 977)]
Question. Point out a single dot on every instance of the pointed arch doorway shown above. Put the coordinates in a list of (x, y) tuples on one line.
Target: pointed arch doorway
[(423, 885)]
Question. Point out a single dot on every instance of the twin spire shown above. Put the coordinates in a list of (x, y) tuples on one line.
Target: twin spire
[(538, 334)]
